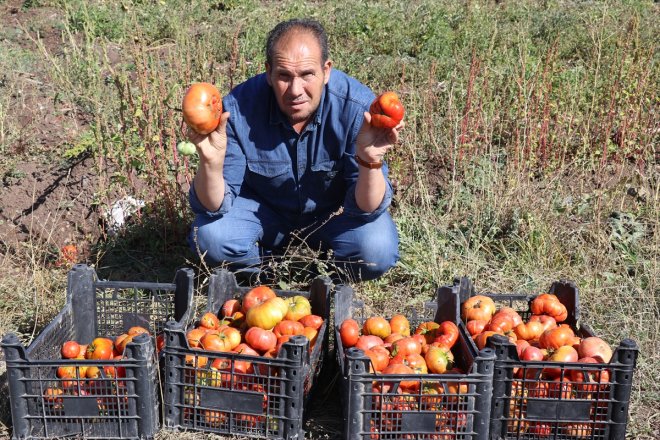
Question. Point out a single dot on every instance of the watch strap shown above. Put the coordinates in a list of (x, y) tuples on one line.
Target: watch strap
[(370, 165)]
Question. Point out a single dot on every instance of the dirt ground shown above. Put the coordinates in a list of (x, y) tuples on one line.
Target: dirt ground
[(43, 196)]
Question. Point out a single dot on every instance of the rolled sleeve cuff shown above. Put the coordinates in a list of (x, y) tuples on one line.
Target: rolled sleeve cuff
[(351, 208), (199, 209)]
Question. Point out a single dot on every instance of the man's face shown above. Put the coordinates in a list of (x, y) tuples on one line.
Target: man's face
[(298, 76)]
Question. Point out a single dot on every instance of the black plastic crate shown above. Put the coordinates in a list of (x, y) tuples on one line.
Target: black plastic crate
[(44, 406), (525, 406), (442, 406), (267, 403)]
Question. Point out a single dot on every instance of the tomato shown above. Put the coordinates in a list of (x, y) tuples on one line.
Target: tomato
[(417, 363), (579, 430), (439, 359), (500, 322), (386, 110), (379, 357), (560, 388), (215, 341), (194, 336), (299, 307), (100, 348), (406, 346), (209, 320), (314, 321), (482, 338), (349, 332), (202, 107), (562, 354), (136, 330), (311, 334), (476, 326), (160, 342), (256, 296), (267, 314), (596, 348), (123, 341), (478, 307), (261, 340), (515, 316), (446, 334), (521, 345), (589, 381), (557, 337), (406, 385), (427, 329), (377, 326), (530, 331), (400, 324), (365, 342), (548, 304), (539, 429), (230, 307), (70, 349), (288, 327)]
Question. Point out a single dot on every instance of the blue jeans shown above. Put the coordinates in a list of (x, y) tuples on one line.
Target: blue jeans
[(361, 250)]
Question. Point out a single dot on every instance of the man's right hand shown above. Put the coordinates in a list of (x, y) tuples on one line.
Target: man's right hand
[(213, 146)]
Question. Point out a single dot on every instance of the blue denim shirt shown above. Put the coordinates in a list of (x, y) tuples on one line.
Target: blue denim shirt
[(300, 176)]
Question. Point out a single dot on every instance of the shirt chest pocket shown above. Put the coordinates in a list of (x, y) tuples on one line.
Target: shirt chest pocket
[(267, 175), (327, 176)]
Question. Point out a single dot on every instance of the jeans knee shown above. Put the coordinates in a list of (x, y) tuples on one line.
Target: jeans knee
[(208, 242), (373, 256)]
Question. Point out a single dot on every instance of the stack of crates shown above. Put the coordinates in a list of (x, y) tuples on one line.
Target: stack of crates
[(111, 406), (447, 406), (267, 402), (525, 405)]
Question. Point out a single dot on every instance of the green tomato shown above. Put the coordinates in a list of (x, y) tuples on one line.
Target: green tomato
[(186, 148)]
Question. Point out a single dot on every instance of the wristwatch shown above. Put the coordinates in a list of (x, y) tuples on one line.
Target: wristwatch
[(370, 165)]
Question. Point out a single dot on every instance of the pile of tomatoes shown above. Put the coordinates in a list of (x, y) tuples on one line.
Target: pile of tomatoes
[(394, 347), (256, 326), (544, 337), (84, 378)]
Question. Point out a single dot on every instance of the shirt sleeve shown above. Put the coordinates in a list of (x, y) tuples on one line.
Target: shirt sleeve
[(351, 207), (233, 171)]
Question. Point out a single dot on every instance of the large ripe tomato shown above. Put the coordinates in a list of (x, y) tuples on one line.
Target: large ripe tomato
[(267, 314), (476, 326), (482, 338), (529, 331), (312, 334), (417, 363), (194, 336), (557, 337), (209, 320), (562, 355), (377, 326), (260, 339), (439, 359), (548, 322), (400, 324), (230, 307), (596, 348), (349, 332), (136, 330), (299, 306), (386, 110), (256, 296), (405, 346), (588, 381), (213, 340), (501, 322), (202, 107), (446, 334), (70, 350), (100, 348), (478, 307), (365, 342), (314, 321), (379, 357), (288, 327), (406, 385), (549, 304), (428, 330)]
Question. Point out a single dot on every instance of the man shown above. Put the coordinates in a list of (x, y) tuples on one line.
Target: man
[(284, 160)]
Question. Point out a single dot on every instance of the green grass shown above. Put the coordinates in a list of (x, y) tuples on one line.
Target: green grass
[(529, 154)]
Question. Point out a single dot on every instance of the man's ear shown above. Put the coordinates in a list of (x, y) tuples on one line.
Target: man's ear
[(327, 68), (268, 72)]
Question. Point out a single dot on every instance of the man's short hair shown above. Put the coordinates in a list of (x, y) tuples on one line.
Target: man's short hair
[(313, 27)]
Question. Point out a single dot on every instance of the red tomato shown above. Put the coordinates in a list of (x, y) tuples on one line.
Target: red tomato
[(427, 329), (349, 332), (406, 385), (478, 307), (548, 304), (256, 296), (529, 331), (136, 330), (446, 334), (202, 107), (209, 320), (557, 337), (213, 340), (476, 326), (288, 327), (405, 346), (563, 354), (100, 348), (596, 348), (379, 357), (365, 342), (386, 110), (548, 322), (260, 339), (70, 349), (314, 321), (194, 336), (439, 359), (230, 307)]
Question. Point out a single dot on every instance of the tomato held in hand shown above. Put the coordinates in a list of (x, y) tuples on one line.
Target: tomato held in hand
[(386, 110), (202, 107)]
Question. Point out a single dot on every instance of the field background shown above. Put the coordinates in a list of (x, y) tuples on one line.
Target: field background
[(530, 152)]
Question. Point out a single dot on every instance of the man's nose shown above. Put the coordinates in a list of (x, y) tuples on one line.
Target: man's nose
[(296, 86)]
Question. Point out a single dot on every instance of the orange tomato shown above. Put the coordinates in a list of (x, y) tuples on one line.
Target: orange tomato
[(386, 110), (202, 107)]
